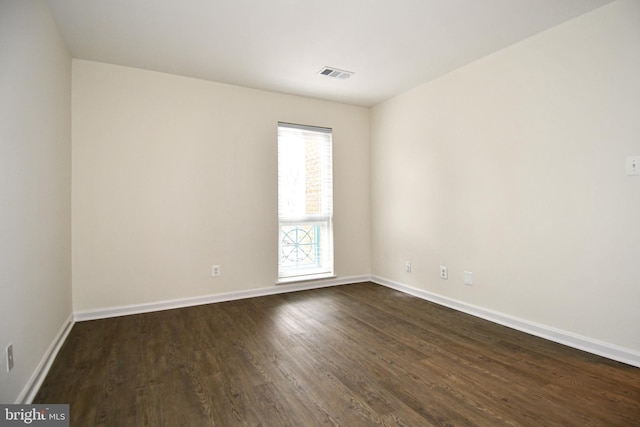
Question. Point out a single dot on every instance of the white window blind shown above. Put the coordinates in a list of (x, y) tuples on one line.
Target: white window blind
[(305, 201)]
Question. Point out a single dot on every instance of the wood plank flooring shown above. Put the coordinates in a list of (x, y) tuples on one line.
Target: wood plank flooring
[(356, 355)]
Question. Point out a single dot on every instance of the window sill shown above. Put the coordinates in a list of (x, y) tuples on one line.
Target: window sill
[(309, 278)]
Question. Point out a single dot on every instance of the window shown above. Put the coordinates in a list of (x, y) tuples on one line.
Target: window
[(305, 202)]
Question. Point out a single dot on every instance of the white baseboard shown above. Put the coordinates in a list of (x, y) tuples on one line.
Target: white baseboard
[(570, 339), (104, 313), (33, 385)]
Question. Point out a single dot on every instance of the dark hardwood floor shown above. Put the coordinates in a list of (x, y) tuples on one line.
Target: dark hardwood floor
[(356, 355)]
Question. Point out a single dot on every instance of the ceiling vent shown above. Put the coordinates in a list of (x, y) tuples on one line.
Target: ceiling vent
[(335, 73)]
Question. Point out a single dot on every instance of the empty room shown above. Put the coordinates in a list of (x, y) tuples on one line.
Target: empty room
[(353, 213)]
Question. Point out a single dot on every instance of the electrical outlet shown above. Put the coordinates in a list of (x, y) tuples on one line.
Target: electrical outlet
[(9, 357), (215, 271), (444, 272), (407, 266)]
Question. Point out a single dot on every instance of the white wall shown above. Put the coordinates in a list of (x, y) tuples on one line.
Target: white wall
[(513, 168), (35, 189), (172, 175)]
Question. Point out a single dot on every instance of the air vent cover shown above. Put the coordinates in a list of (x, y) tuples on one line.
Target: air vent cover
[(335, 73)]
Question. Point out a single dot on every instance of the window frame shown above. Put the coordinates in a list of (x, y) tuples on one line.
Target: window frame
[(322, 220)]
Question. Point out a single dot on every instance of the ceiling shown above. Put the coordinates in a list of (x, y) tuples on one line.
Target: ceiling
[(281, 45)]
